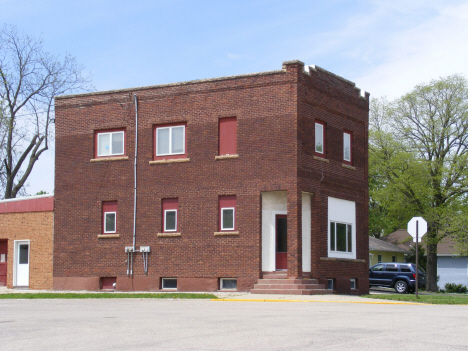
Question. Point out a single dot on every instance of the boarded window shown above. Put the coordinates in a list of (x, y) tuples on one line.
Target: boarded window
[(227, 213), (170, 209), (109, 217), (228, 136)]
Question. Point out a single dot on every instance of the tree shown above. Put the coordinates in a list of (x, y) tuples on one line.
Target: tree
[(419, 163), (30, 78)]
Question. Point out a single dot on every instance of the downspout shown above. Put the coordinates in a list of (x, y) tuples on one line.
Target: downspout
[(135, 170)]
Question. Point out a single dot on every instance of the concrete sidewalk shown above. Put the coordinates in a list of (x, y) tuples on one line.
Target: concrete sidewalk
[(239, 296)]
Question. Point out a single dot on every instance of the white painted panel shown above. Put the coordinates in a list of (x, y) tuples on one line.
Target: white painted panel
[(342, 211), (273, 203), (306, 232)]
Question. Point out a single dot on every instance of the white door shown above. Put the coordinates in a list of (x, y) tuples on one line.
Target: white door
[(22, 263)]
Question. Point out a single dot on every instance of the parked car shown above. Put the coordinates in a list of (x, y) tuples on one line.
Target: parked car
[(400, 276)]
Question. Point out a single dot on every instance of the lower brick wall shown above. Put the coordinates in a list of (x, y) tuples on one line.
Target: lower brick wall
[(38, 228)]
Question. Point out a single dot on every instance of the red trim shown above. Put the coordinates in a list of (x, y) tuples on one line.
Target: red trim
[(281, 257), (169, 157), (351, 137), (227, 201), (96, 132), (109, 206), (227, 131), (324, 125), (43, 204), (169, 204)]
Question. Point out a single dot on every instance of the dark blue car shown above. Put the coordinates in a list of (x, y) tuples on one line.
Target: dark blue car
[(400, 276)]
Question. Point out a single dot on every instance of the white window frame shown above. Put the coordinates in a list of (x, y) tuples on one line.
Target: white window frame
[(170, 140), (233, 218), (163, 281), (323, 138), (347, 134), (332, 284), (115, 222), (342, 211), (353, 284), (221, 283), (347, 243), (165, 220), (110, 143)]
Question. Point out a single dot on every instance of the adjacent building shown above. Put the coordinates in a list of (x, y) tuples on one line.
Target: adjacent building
[(26, 242), (214, 184)]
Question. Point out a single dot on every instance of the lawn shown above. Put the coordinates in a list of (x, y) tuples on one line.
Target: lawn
[(437, 299), (106, 296)]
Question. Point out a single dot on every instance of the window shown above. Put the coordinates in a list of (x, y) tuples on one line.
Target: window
[(228, 284), (353, 284), (341, 228), (227, 213), (330, 284), (347, 147), (394, 259), (169, 283), (379, 258), (341, 237), (109, 217), (228, 136), (110, 143), (378, 268), (169, 141), (320, 138), (169, 216)]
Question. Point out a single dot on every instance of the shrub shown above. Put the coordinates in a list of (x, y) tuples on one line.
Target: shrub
[(456, 288)]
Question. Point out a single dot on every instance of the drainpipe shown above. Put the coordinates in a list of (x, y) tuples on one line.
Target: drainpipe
[(135, 170)]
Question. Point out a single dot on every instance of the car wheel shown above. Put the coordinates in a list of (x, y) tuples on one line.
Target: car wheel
[(401, 287)]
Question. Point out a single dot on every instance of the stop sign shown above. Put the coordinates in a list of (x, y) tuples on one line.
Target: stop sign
[(420, 224)]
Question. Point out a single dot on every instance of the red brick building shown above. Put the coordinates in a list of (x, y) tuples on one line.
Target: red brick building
[(236, 178)]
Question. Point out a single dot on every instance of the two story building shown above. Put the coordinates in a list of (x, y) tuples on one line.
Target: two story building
[(214, 184)]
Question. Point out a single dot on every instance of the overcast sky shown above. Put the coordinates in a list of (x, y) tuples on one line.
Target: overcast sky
[(385, 47)]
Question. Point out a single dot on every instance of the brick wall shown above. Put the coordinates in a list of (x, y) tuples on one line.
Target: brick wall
[(37, 227), (269, 108)]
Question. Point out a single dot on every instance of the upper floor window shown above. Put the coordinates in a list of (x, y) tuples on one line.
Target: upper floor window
[(170, 208), (320, 138), (227, 213), (109, 217), (347, 147), (228, 136), (110, 143), (170, 141)]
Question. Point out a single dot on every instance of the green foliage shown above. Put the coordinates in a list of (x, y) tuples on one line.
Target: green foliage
[(418, 163), (42, 192), (453, 288), (422, 257)]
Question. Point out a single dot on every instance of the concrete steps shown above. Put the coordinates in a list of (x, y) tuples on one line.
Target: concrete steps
[(278, 283)]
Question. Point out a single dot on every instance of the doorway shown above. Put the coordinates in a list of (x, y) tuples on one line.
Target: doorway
[(21, 263), (281, 242), (3, 262)]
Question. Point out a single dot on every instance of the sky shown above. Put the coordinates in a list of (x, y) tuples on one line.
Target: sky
[(385, 47)]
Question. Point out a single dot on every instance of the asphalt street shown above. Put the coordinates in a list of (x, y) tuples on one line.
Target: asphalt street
[(150, 324)]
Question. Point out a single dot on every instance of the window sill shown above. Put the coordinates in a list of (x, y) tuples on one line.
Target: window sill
[(226, 233), (108, 236), (321, 159), (109, 159), (344, 165), (226, 157), (173, 160), (168, 235), (338, 259)]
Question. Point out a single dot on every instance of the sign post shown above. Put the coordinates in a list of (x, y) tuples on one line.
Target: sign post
[(417, 226)]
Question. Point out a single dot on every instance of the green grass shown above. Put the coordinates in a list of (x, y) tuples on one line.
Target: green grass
[(439, 299), (105, 296)]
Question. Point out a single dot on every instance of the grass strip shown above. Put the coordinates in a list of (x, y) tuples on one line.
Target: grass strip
[(104, 295), (430, 299)]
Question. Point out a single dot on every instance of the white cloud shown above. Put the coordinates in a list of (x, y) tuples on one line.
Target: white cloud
[(432, 49)]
